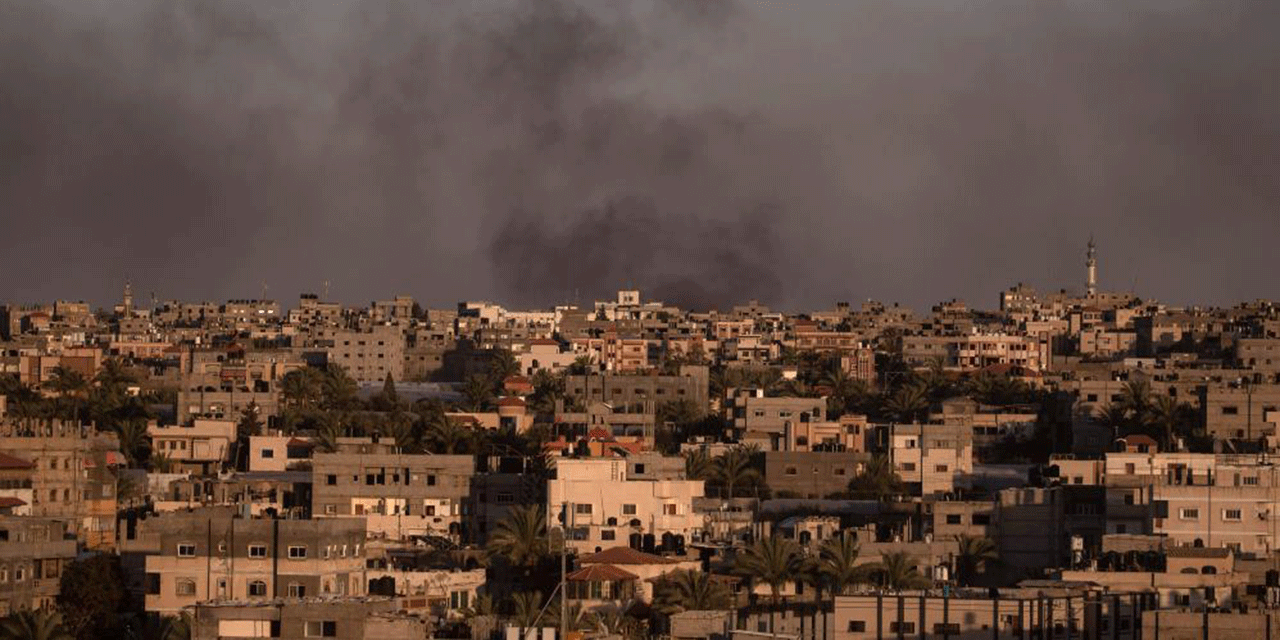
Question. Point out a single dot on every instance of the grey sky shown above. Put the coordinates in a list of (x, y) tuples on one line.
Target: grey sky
[(800, 152)]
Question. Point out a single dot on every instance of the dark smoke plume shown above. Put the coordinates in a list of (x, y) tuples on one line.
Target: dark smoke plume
[(707, 152)]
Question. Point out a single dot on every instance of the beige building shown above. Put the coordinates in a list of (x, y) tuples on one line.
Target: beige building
[(397, 495), (368, 356), (343, 618), (609, 502), (202, 446), (74, 476), (930, 457), (33, 554), (209, 554)]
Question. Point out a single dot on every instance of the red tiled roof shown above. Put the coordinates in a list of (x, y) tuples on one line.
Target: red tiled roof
[(599, 434), (511, 402), (544, 341), (1138, 438), (624, 555), (298, 442), (8, 502), (601, 573), (13, 462)]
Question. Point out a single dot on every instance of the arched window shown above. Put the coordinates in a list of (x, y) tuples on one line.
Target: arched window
[(1209, 570), (257, 588), (185, 587), (1189, 570)]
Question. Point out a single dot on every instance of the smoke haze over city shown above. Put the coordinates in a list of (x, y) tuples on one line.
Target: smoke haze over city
[(535, 153)]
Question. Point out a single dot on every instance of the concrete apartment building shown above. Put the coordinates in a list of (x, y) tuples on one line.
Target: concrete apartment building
[(1245, 411), (33, 554), (368, 356), (342, 618), (614, 502), (279, 453), (811, 474), (397, 495), (211, 554), (199, 400), (928, 458), (201, 446), (74, 476), (16, 482), (690, 384)]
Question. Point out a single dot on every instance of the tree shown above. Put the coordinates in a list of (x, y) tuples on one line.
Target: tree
[(502, 365), (113, 375), (581, 366), (328, 431), (249, 425), (70, 386), (340, 390), (34, 625), (302, 389), (134, 443), (477, 394), (1135, 396), (973, 556), (910, 403), (388, 399), (689, 590), (153, 627), (521, 538), (838, 564), (1168, 417), (399, 429), (897, 572), (481, 616), (526, 608), (446, 436), (698, 465), (89, 595), (877, 480), (774, 561), (734, 469)]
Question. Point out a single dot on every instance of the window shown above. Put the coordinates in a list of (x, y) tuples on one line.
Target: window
[(268, 454), (1231, 514), (331, 479), (953, 518), (941, 468), (639, 468), (669, 510), (902, 627), (952, 628), (1230, 410), (459, 599), (982, 518), (628, 509), (186, 550), (330, 509), (257, 588), (19, 574), (582, 508), (840, 471), (505, 497), (607, 534), (908, 466), (431, 481), (1129, 468), (297, 591), (791, 471), (257, 551), (185, 587), (1250, 480), (857, 626), (1189, 514), (298, 552), (321, 629)]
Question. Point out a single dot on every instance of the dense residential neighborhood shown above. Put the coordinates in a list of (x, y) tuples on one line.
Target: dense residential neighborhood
[(1068, 464)]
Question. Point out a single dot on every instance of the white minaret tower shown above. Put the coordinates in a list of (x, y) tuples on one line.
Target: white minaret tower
[(1091, 283)]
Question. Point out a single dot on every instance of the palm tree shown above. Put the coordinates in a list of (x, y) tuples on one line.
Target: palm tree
[(400, 430), (34, 625), (689, 590), (909, 404), (580, 366), (1135, 396), (1168, 416), (480, 616), (446, 436), (526, 608), (972, 557), (522, 537), (698, 465), (113, 374), (774, 561), (733, 469), (897, 572), (328, 431), (69, 385), (477, 394), (1114, 416), (502, 365), (134, 443), (339, 388), (877, 480), (302, 388), (838, 564)]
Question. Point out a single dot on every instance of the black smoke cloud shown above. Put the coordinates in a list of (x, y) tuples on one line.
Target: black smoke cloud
[(707, 152)]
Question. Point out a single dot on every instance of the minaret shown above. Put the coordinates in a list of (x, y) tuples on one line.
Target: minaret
[(127, 303), (1091, 283)]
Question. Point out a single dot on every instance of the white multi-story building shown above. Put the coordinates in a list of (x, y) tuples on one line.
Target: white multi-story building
[(607, 501)]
